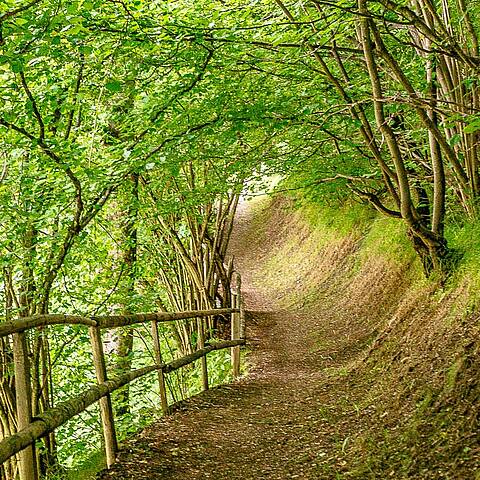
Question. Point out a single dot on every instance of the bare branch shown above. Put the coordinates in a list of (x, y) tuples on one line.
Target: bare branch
[(374, 200), (35, 109), (72, 111), (4, 171)]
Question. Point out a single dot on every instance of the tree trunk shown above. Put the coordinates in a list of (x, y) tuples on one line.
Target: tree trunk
[(129, 259)]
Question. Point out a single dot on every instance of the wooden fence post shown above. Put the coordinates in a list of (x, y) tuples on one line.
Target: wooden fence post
[(201, 344), (235, 335), (23, 396), (241, 306), (161, 375), (106, 411)]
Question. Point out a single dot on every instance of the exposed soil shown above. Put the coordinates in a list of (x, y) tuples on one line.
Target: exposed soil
[(288, 418)]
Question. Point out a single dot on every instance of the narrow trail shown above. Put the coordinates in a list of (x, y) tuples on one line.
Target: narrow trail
[(287, 419)]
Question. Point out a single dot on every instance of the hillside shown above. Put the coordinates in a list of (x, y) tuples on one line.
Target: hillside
[(408, 348), (358, 368)]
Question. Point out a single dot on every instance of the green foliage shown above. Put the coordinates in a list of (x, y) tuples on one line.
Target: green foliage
[(198, 100), (219, 367), (89, 468), (79, 438)]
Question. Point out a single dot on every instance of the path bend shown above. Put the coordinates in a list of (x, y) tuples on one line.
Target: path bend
[(287, 419)]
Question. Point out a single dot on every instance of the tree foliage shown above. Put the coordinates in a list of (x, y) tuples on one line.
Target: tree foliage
[(194, 102)]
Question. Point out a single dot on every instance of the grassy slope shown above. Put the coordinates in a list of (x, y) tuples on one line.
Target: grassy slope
[(414, 347)]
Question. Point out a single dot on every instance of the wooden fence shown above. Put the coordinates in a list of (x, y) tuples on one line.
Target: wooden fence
[(31, 429)]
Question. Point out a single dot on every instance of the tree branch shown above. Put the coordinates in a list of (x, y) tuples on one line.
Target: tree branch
[(72, 111), (196, 128), (35, 109), (375, 201), (182, 92), (21, 9)]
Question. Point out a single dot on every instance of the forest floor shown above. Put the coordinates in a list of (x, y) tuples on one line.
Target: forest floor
[(292, 416)]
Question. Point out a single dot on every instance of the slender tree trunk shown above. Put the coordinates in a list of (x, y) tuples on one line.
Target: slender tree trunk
[(129, 259)]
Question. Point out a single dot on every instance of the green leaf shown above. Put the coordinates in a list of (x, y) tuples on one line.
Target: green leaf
[(113, 86), (87, 6), (17, 66), (455, 139), (86, 49), (473, 126)]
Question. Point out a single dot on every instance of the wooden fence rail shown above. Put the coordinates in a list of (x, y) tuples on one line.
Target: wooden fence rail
[(53, 418), (114, 321), (31, 429)]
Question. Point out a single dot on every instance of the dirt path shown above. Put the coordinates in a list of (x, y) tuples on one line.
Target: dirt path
[(287, 419)]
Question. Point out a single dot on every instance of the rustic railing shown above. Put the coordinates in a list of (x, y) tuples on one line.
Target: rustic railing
[(31, 429)]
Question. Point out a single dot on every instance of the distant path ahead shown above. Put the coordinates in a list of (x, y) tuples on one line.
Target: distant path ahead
[(286, 419)]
